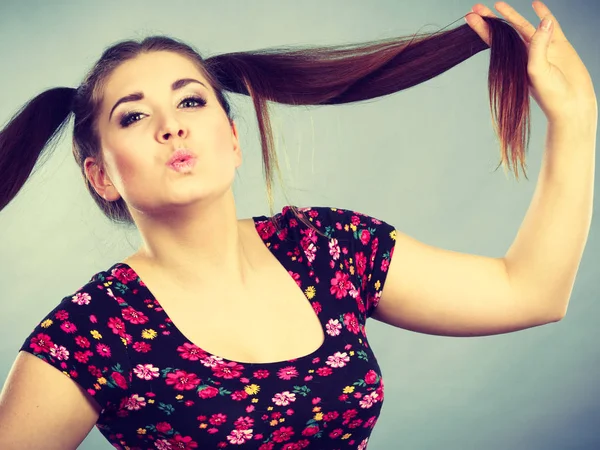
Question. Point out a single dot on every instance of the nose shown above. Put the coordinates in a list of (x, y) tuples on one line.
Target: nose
[(171, 127)]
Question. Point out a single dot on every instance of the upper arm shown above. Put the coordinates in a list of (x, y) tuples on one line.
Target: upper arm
[(41, 407), (441, 292)]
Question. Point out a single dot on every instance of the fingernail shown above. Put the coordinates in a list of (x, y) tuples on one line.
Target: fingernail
[(546, 24)]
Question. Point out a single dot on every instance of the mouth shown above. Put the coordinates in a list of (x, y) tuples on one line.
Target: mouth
[(180, 156)]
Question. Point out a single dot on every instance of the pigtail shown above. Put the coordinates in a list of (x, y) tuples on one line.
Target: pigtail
[(33, 129)]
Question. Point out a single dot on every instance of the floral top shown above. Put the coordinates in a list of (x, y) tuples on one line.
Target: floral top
[(158, 390)]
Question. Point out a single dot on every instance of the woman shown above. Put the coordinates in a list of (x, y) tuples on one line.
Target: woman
[(187, 343)]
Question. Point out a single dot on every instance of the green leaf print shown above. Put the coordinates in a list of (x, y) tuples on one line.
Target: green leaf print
[(362, 355), (302, 390), (120, 287), (167, 408)]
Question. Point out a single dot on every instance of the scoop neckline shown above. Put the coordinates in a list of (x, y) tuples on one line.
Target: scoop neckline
[(257, 220)]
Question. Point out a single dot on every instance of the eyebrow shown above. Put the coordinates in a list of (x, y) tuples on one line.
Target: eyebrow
[(135, 96)]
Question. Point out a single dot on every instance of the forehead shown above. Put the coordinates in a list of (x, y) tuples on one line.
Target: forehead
[(155, 70)]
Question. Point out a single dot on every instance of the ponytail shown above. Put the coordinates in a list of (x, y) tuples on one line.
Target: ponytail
[(36, 125), (341, 74)]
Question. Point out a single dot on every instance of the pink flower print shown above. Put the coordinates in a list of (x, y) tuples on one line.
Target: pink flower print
[(182, 442), (119, 380), (317, 307), (371, 377), (260, 374), (239, 395), (135, 403), (182, 380), (217, 419), (334, 249), (62, 315), (190, 352), (82, 341), (93, 319), (83, 357), (336, 433), (324, 371), (284, 398), (370, 422), (163, 427), (133, 316), (117, 326), (208, 392), (239, 436), (142, 347), (244, 423), (351, 323), (287, 373), (361, 263), (337, 360), (103, 350), (364, 236), (340, 285), (124, 275), (283, 434), (59, 352), (333, 327), (228, 370), (146, 371), (68, 327), (81, 298)]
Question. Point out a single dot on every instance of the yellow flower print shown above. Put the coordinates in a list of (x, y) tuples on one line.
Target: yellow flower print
[(254, 400), (252, 389), (377, 285), (108, 283), (318, 416), (178, 397), (351, 270), (101, 380), (124, 341), (95, 334), (393, 234), (97, 386), (270, 408), (351, 352), (141, 431), (202, 426), (310, 292), (150, 400), (46, 323), (348, 390), (346, 436), (149, 334), (273, 423)]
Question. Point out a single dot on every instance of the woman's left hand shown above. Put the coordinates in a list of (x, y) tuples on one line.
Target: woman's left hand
[(559, 81)]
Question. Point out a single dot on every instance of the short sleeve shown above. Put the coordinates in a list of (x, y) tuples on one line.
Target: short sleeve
[(370, 242), (84, 338)]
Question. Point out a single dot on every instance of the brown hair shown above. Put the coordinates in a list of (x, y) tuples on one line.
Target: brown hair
[(294, 76)]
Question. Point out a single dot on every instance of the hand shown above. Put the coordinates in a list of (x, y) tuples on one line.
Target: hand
[(559, 81)]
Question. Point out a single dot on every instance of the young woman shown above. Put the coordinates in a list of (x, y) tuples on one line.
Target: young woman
[(204, 337)]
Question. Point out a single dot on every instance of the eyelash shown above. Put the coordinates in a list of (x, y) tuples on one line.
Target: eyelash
[(124, 120)]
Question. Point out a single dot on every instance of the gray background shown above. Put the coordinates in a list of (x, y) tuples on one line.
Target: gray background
[(421, 160)]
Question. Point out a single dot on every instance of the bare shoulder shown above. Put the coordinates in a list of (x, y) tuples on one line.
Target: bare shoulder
[(36, 392)]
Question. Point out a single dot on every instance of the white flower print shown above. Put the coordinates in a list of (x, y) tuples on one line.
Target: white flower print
[(81, 298), (333, 327), (284, 399), (146, 371), (334, 249), (61, 353), (239, 436), (368, 400), (135, 402), (338, 360)]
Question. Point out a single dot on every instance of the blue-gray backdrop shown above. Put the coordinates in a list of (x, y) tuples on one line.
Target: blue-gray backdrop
[(421, 160)]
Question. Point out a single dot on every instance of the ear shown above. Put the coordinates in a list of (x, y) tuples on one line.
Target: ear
[(236, 144), (99, 180)]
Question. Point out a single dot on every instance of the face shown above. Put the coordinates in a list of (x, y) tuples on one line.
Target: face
[(139, 136)]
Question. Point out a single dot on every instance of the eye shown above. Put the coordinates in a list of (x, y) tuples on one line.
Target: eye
[(125, 120)]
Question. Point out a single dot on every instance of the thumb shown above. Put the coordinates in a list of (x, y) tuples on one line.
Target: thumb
[(538, 47)]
